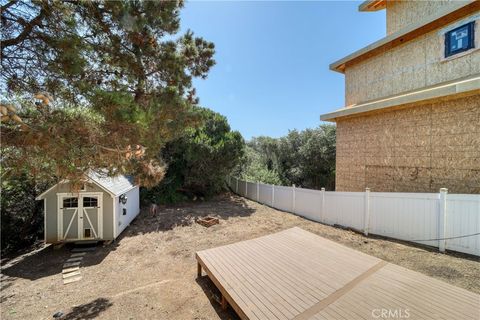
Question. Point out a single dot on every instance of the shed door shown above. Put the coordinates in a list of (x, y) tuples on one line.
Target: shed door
[(80, 216), (69, 218), (91, 216)]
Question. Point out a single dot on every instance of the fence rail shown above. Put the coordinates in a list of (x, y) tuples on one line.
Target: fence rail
[(446, 221)]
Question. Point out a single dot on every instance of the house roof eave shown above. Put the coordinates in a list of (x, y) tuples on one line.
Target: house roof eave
[(466, 87)]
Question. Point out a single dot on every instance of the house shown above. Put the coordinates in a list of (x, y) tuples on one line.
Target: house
[(411, 121), (100, 210)]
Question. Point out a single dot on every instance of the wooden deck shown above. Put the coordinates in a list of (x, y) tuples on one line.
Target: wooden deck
[(295, 274)]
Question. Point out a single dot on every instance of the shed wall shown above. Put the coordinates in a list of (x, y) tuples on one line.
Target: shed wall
[(52, 210), (414, 65), (133, 209), (416, 149)]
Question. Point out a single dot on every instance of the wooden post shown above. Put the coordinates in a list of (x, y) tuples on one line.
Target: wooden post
[(273, 194), (366, 221), (224, 303), (442, 232), (322, 206), (199, 270), (293, 196), (258, 191)]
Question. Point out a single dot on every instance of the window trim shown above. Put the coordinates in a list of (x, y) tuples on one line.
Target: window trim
[(89, 197), (70, 203), (471, 39)]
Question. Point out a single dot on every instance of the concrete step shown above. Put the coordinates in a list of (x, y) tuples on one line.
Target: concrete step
[(71, 269), (83, 249), (74, 259), (70, 274), (71, 264), (72, 279), (86, 243), (79, 254)]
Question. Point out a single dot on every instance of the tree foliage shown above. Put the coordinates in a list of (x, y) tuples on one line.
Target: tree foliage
[(96, 85), (304, 158), (257, 164), (199, 161), (21, 215)]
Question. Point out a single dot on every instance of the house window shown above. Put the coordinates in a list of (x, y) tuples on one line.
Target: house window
[(124, 211), (70, 202), (459, 39), (90, 202)]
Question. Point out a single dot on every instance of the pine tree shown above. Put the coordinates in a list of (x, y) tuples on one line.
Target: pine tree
[(100, 85)]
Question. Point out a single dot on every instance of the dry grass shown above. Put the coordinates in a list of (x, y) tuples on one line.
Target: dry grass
[(150, 272)]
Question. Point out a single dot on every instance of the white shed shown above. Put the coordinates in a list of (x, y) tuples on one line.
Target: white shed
[(101, 210)]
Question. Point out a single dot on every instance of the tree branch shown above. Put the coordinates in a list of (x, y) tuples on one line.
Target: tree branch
[(26, 31)]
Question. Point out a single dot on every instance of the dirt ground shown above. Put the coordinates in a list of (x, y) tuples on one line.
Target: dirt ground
[(150, 272)]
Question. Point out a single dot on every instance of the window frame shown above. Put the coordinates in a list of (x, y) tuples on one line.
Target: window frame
[(471, 39), (90, 201), (70, 203)]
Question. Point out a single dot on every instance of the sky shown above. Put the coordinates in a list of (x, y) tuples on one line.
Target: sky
[(272, 59)]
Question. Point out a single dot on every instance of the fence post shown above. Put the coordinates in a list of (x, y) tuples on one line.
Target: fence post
[(293, 195), (443, 220), (273, 194), (258, 191), (322, 206), (236, 188), (246, 189), (366, 221)]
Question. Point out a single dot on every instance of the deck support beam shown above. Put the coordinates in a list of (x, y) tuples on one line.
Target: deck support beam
[(224, 303), (199, 270)]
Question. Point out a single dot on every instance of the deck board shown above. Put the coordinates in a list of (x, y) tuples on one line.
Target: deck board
[(294, 274)]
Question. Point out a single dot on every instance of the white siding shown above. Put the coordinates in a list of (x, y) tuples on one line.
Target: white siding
[(133, 209)]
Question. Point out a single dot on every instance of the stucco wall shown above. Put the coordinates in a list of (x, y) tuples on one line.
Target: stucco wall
[(401, 13), (415, 149), (414, 65)]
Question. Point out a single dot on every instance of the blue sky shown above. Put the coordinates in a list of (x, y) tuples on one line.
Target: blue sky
[(272, 59)]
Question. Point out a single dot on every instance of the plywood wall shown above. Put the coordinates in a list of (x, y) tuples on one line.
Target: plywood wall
[(416, 149), (401, 13), (411, 66)]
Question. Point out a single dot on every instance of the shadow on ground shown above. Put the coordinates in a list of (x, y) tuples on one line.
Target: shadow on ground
[(91, 310), (214, 296), (49, 261), (169, 217)]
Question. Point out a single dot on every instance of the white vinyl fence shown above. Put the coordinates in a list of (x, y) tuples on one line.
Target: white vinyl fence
[(446, 221)]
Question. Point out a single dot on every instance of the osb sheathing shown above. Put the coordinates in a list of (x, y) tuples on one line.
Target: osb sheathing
[(401, 13), (412, 66), (415, 149)]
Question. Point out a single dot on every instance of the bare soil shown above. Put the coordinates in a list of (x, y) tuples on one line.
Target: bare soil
[(150, 272)]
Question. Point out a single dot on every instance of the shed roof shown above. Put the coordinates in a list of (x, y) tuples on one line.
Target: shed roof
[(115, 186)]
